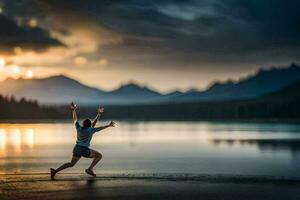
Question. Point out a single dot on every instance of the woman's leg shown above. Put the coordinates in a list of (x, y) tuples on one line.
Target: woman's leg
[(97, 157), (66, 165)]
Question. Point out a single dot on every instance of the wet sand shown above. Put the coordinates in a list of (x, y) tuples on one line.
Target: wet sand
[(146, 186)]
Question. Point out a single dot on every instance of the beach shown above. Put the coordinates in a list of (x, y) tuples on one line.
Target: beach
[(146, 186)]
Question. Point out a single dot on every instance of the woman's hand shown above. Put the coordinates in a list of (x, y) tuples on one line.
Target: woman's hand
[(112, 124), (100, 110), (73, 106)]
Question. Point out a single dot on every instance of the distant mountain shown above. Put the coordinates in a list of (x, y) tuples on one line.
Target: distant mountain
[(135, 91), (61, 90), (52, 90), (173, 94), (259, 84), (290, 93)]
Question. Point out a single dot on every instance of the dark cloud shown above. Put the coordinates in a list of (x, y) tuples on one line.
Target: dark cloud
[(191, 30), (212, 28), (13, 35)]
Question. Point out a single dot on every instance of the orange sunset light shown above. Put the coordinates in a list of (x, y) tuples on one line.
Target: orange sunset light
[(2, 63), (29, 74), (13, 70)]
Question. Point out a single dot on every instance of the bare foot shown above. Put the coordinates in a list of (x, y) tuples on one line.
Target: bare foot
[(90, 172), (52, 173)]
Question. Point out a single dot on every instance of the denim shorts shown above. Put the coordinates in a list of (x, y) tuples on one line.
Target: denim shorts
[(79, 150)]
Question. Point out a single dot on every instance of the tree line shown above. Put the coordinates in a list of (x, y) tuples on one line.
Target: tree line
[(256, 109), (13, 109), (233, 110)]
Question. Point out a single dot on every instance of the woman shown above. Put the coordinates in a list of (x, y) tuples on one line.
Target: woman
[(84, 136)]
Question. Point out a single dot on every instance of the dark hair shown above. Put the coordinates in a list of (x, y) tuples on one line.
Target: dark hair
[(87, 123)]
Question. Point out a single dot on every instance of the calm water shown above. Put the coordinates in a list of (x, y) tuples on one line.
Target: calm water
[(158, 147)]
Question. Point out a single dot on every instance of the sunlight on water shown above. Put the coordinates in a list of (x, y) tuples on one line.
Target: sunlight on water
[(187, 147), (28, 137), (14, 138), (2, 141)]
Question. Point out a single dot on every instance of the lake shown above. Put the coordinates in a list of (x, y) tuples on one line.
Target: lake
[(158, 147)]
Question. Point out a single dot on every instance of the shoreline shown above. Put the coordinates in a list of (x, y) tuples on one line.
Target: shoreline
[(147, 186), (212, 178)]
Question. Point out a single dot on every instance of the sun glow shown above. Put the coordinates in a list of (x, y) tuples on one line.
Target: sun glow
[(29, 74), (2, 138), (15, 139), (28, 137), (2, 63), (13, 70)]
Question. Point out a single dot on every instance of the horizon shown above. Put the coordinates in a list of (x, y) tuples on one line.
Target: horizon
[(129, 82), (167, 45)]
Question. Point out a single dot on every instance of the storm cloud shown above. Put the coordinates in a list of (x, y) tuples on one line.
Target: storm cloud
[(210, 26), (211, 38), (13, 35)]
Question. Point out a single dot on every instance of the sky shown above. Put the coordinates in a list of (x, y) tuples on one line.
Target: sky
[(164, 44)]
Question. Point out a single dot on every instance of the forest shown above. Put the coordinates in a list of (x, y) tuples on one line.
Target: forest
[(13, 109)]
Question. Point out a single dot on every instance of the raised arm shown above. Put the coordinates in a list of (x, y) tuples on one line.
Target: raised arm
[(100, 110), (111, 124), (73, 107)]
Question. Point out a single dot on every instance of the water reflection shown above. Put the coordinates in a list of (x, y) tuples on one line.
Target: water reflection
[(19, 137), (158, 147), (16, 140), (2, 139), (290, 144), (28, 137)]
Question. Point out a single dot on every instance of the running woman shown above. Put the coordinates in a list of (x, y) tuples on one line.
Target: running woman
[(84, 136)]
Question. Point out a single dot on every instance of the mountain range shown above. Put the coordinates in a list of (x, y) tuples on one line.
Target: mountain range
[(289, 93), (259, 84), (62, 89)]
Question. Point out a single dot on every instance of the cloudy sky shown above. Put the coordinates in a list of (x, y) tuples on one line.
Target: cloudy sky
[(165, 44)]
